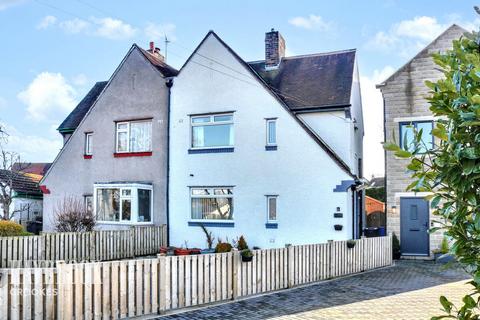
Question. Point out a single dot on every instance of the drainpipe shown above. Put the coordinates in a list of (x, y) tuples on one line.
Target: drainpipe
[(169, 85)]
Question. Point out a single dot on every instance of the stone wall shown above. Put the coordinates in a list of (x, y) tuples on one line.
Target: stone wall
[(405, 100)]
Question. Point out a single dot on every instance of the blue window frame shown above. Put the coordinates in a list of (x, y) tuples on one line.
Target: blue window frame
[(406, 130)]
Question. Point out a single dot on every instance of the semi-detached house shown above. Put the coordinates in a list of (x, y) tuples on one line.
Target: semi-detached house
[(269, 149)]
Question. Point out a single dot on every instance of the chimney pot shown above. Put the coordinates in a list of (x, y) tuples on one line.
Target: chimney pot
[(274, 49), (152, 46)]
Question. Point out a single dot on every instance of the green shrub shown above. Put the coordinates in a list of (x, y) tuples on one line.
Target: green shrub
[(242, 244), (223, 247), (444, 247), (395, 245), (11, 228)]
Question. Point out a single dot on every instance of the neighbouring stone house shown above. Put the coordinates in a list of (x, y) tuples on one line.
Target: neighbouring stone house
[(405, 106)]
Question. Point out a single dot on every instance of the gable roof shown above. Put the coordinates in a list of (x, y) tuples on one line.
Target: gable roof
[(453, 27), (164, 68), (330, 152), (312, 81), (75, 117), (72, 121), (36, 168), (21, 183)]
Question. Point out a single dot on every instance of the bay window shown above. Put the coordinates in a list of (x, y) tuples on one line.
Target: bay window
[(212, 203), (123, 203), (134, 136), (212, 131)]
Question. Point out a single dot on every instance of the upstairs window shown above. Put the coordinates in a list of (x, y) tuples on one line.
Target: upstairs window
[(271, 132), (127, 203), (212, 131), (272, 209), (212, 203), (407, 130), (134, 136), (88, 143)]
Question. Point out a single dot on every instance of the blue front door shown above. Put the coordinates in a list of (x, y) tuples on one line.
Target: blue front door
[(414, 220)]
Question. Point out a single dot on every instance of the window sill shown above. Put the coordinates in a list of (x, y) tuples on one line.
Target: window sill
[(271, 225), (132, 154), (87, 156), (270, 148), (211, 150), (220, 224)]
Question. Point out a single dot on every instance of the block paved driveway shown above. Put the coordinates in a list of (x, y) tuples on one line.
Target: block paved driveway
[(409, 290)]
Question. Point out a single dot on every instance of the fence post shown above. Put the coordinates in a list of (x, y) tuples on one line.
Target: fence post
[(163, 278), (364, 253), (42, 252), (291, 266), (133, 243), (91, 246), (3, 293), (330, 259), (60, 289), (235, 280)]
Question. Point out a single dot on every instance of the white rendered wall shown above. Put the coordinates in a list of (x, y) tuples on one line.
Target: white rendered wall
[(300, 172)]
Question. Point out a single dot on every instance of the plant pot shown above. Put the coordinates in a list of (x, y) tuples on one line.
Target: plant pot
[(246, 258), (195, 251), (181, 252), (351, 244), (207, 251), (338, 227), (396, 255)]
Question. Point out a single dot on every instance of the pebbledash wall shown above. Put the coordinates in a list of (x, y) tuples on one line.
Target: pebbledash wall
[(136, 91), (299, 171), (404, 96)]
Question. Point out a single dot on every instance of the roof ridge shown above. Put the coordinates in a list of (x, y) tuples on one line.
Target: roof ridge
[(318, 54)]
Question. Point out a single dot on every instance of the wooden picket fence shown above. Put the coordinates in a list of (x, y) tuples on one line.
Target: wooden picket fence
[(102, 245), (129, 288)]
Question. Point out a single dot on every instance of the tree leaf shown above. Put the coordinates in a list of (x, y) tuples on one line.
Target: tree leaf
[(391, 146), (403, 154)]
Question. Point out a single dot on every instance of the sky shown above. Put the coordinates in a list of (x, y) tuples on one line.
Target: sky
[(53, 52)]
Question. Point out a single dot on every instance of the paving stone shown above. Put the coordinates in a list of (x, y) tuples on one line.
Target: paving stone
[(409, 290)]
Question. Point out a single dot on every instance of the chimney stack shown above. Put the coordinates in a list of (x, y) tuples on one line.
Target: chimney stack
[(274, 49), (154, 51)]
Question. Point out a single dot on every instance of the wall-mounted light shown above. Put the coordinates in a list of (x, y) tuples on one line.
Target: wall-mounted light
[(394, 209)]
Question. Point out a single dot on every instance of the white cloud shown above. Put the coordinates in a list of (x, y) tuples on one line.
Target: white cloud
[(74, 26), (80, 80), (48, 96), (311, 22), (407, 36), (101, 27), (156, 32), (46, 22), (113, 28), (4, 4), (32, 148), (372, 103), (424, 28)]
